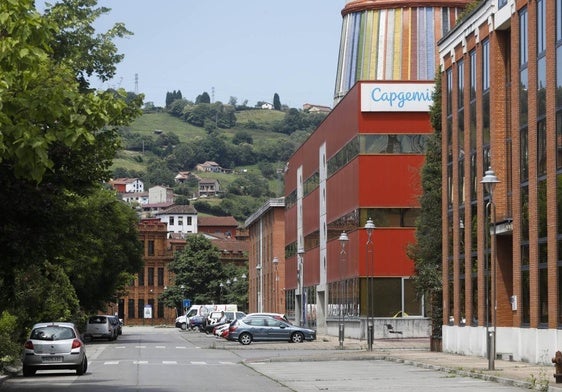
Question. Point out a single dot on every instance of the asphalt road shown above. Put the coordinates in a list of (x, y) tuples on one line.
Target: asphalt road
[(167, 359)]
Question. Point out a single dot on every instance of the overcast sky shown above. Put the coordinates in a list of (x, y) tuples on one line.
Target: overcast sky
[(246, 49)]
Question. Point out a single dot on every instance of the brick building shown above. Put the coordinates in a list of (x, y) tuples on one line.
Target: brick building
[(501, 93), (151, 282), (266, 258)]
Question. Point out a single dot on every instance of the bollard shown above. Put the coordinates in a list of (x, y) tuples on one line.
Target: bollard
[(341, 334), (370, 337)]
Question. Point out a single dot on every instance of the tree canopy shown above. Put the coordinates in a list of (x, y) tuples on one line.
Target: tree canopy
[(65, 240)]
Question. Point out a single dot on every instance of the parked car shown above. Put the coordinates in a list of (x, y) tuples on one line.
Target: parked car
[(100, 327), (214, 317), (279, 316), (117, 325), (266, 328), (54, 346)]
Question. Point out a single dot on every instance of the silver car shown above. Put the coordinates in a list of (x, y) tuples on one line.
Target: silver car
[(267, 328), (54, 346)]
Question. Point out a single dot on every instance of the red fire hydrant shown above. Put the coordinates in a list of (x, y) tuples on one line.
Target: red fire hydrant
[(557, 360)]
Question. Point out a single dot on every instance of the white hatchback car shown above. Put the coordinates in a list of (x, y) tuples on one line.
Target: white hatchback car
[(54, 346)]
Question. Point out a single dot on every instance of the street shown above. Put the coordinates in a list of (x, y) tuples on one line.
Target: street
[(167, 359)]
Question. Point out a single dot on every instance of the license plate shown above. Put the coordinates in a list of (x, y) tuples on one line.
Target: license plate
[(57, 358)]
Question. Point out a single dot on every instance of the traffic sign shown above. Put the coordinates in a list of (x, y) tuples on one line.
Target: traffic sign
[(186, 303)]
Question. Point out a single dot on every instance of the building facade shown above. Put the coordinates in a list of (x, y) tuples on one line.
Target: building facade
[(150, 283), (502, 109), (266, 258), (363, 162)]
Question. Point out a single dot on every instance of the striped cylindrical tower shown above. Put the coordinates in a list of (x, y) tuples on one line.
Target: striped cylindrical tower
[(392, 40)]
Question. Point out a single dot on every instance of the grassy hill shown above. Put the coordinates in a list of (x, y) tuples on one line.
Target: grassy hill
[(257, 123)]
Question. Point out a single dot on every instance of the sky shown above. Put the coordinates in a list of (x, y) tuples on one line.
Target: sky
[(245, 49)]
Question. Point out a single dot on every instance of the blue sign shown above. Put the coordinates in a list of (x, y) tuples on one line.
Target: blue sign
[(186, 303)]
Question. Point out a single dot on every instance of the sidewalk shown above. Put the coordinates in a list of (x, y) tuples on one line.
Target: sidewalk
[(416, 352)]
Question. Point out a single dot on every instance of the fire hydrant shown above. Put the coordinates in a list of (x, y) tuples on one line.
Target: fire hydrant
[(557, 360)]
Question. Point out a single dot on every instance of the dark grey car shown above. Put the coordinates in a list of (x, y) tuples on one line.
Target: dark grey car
[(267, 328)]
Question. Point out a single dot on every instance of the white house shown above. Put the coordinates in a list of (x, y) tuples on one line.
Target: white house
[(180, 219), (160, 194)]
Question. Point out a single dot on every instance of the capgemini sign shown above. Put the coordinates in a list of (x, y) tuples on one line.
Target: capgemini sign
[(396, 97)]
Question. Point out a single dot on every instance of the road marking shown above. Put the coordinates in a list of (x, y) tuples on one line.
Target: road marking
[(111, 363), (140, 362), (140, 346), (169, 362), (198, 363), (181, 347), (160, 347)]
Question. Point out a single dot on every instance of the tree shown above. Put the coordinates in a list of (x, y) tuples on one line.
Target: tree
[(199, 270), (427, 252), (60, 230), (276, 102), (203, 98)]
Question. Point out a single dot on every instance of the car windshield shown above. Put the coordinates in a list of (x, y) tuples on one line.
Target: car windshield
[(52, 333)]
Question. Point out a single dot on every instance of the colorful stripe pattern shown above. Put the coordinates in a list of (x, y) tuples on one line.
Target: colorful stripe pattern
[(391, 44)]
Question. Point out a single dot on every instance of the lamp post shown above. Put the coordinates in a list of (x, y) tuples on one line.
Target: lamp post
[(300, 282), (490, 180), (341, 331), (275, 263), (370, 226), (260, 288)]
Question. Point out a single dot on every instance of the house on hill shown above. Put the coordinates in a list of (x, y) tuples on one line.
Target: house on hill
[(209, 187), (307, 107), (127, 185), (183, 176), (160, 194)]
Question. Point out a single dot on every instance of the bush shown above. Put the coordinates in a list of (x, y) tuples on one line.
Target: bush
[(10, 347)]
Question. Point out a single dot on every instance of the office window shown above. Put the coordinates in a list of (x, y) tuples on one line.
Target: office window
[(151, 276), (140, 308), (160, 276), (150, 248), (131, 308), (141, 277)]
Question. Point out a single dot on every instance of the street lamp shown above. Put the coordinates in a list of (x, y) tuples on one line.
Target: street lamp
[(300, 282), (275, 262), (370, 226), (343, 241), (260, 288), (490, 180)]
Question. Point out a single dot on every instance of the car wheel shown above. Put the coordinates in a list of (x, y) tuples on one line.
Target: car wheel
[(297, 337), (245, 338), (81, 369), (183, 326), (28, 371)]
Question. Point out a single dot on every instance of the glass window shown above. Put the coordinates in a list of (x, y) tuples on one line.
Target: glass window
[(150, 248), (140, 307), (460, 84), (541, 147), (141, 277), (131, 308), (160, 276), (541, 59), (151, 276)]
